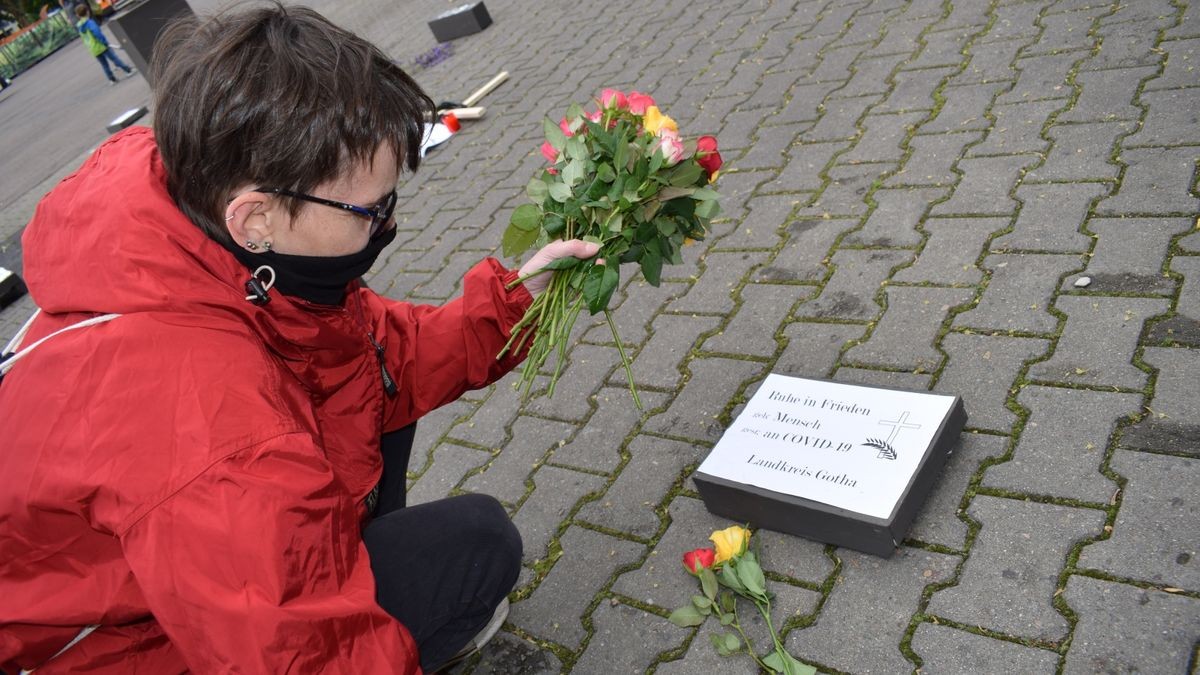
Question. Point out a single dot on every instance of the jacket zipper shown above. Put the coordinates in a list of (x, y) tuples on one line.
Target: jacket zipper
[(389, 383)]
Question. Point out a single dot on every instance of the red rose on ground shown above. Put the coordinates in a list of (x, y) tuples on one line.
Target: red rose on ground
[(701, 558), (707, 156)]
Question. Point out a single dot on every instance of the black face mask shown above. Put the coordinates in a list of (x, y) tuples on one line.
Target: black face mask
[(317, 279)]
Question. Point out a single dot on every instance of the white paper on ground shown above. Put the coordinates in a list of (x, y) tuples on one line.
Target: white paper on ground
[(845, 445), (435, 135)]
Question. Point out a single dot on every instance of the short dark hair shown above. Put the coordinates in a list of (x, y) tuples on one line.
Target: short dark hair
[(274, 96), (81, 11)]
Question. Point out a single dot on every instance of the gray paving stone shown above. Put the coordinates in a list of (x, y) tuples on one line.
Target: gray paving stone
[(835, 64), (1160, 10), (1156, 182), (450, 463), (897, 214), (1172, 119), (792, 556), (964, 108), (1180, 69), (1188, 26), (597, 445), (657, 364), (508, 654), (627, 640), (990, 62), (868, 25), (1183, 328), (1061, 450), (750, 329), (883, 378), (805, 102), (873, 600), (985, 186), (1007, 584), (981, 369), (1081, 152), (883, 137), (487, 427), (1107, 95), (803, 257), (763, 226), (850, 292), (835, 18), (943, 649), (951, 250), (967, 13), (1042, 77), (556, 491), (931, 159), (1014, 22), (813, 348), (872, 76), (903, 36), (942, 48), (1127, 629), (1017, 129), (694, 412), (432, 427), (630, 503), (531, 441), (1067, 30), (736, 188), (1098, 341), (1129, 255), (839, 121), (1124, 45), (580, 378), (713, 292), (1019, 292), (914, 89), (1051, 217), (845, 193), (639, 302), (1153, 538), (735, 129), (770, 144), (938, 521), (556, 608), (905, 334), (1173, 423), (807, 161)]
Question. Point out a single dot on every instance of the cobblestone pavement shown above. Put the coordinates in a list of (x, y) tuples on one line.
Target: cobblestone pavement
[(912, 190)]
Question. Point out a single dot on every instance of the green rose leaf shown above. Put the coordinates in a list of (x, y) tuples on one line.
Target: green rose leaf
[(560, 192), (656, 162), (669, 193), (554, 224), (577, 148), (708, 583), (516, 241), (605, 173), (652, 263), (729, 578), (708, 209), (574, 111), (598, 286), (526, 217), (785, 663), (564, 263), (705, 194), (728, 618), (573, 172), (558, 140), (701, 603), (686, 616), (537, 190), (686, 174), (732, 643), (751, 576)]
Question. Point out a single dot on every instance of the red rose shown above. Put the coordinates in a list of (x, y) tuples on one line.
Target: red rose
[(701, 558), (549, 152), (707, 156)]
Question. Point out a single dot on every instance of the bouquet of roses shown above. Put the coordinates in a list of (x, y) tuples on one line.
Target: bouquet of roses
[(730, 564), (619, 176)]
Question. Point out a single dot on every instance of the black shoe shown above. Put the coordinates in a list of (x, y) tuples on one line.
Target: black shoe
[(482, 638)]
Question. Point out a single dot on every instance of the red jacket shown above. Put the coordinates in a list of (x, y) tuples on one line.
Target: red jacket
[(190, 476)]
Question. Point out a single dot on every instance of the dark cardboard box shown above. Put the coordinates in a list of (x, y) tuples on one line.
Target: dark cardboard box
[(460, 21), (792, 514)]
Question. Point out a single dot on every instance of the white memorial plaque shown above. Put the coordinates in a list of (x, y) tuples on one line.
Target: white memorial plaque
[(857, 449)]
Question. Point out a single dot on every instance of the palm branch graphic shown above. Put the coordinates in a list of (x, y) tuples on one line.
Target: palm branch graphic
[(885, 451)]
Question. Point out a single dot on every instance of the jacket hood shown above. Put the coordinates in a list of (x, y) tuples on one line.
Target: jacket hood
[(109, 238)]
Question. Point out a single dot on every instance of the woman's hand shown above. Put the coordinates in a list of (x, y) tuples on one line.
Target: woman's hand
[(548, 254)]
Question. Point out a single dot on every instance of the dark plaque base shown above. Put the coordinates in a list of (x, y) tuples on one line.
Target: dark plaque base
[(829, 524), (11, 287), (456, 23)]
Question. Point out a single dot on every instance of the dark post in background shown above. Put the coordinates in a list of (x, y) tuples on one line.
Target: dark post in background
[(137, 25)]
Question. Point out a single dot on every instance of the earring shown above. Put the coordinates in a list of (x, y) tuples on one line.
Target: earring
[(229, 218), (251, 245), (266, 246)]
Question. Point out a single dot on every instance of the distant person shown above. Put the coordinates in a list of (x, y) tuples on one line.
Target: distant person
[(96, 43)]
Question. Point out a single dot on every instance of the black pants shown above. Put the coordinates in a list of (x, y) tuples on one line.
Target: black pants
[(441, 568)]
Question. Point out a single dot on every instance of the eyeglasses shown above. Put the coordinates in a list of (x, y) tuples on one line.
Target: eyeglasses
[(380, 215)]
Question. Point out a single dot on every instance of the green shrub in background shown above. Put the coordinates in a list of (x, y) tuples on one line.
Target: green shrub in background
[(36, 44)]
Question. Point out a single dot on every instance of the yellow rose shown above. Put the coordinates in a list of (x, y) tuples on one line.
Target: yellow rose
[(730, 542), (654, 121)]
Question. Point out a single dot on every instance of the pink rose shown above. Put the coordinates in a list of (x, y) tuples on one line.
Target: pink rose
[(549, 152), (566, 127), (595, 116), (611, 98), (670, 146), (638, 102)]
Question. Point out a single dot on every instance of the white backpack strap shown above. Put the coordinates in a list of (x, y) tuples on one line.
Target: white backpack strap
[(15, 343), (8, 363)]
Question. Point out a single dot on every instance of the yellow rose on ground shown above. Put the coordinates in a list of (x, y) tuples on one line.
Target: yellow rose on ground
[(730, 542), (654, 121)]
